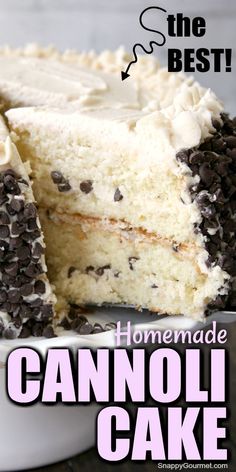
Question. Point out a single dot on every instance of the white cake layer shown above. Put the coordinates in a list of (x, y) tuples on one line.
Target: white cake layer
[(90, 263)]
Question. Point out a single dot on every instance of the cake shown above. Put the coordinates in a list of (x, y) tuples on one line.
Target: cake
[(26, 298), (134, 181)]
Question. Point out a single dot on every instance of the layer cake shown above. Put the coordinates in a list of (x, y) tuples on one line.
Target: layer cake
[(135, 180)]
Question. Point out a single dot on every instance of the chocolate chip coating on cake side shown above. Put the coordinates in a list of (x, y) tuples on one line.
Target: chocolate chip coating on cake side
[(24, 310), (215, 194)]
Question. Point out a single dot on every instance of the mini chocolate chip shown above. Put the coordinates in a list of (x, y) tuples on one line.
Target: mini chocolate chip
[(3, 296), (216, 124), (85, 328), (30, 210), (154, 286), (89, 269), (64, 187), (11, 185), (218, 145), (32, 224), (196, 157), (132, 260), (25, 333), (117, 274), (56, 176), (109, 326), (206, 174), (40, 287), (86, 186), (11, 269), (175, 247), (71, 270), (36, 302), (65, 324), (31, 271), (4, 231), (26, 290), (97, 328), (118, 195), (17, 228), (47, 311), (208, 211), (4, 218), (14, 296), (48, 332), (10, 333), (100, 271), (17, 204), (23, 253), (231, 141), (37, 330)]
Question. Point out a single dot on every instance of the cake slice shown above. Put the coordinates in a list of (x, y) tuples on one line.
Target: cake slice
[(26, 298), (135, 180)]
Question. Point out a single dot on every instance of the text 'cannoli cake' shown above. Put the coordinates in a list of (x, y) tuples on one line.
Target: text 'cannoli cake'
[(135, 180)]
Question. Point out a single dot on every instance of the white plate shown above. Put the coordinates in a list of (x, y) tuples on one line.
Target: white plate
[(40, 435)]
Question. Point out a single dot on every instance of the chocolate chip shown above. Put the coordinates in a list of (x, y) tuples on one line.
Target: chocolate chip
[(218, 145), (4, 231), (56, 176), (36, 302), (132, 260), (109, 326), (23, 253), (11, 269), (71, 270), (48, 332), (31, 271), (17, 204), (30, 210), (65, 324), (25, 333), (37, 330), (4, 218), (231, 141), (118, 195), (85, 328), (196, 157), (40, 287), (154, 286), (100, 271), (175, 247), (206, 174), (17, 228), (3, 296), (89, 269), (47, 311), (26, 290), (14, 296), (10, 333), (11, 185), (14, 243), (64, 187), (97, 328), (86, 186), (216, 124), (32, 224)]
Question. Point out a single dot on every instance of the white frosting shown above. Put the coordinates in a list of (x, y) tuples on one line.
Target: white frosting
[(151, 98)]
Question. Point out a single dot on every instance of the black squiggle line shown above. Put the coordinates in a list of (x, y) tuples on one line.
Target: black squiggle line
[(152, 43)]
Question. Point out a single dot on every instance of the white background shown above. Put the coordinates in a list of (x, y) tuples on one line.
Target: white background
[(102, 24)]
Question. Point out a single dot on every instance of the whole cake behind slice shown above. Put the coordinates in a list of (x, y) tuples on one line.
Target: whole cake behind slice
[(26, 298)]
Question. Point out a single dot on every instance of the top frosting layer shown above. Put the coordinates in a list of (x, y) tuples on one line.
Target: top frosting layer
[(88, 82)]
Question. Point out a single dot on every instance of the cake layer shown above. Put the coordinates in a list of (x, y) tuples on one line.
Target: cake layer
[(96, 164), (26, 298), (92, 263)]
